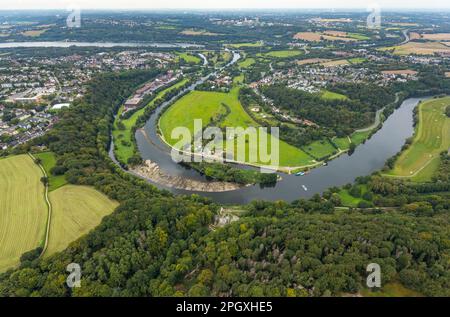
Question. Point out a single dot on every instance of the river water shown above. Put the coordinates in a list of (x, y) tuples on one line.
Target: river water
[(367, 158)]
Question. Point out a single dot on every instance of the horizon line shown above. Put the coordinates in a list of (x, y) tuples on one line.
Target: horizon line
[(228, 9)]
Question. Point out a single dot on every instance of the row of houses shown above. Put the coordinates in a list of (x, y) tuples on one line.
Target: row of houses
[(134, 101)]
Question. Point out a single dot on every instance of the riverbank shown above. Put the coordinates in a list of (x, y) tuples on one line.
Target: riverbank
[(367, 158), (151, 171)]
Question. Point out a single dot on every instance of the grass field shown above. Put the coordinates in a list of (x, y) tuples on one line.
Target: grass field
[(421, 159), (206, 105), (76, 211), (342, 143), (48, 162), (357, 60), (358, 36), (23, 213), (189, 58), (226, 56), (359, 137), (247, 62), (348, 200), (241, 45), (391, 290), (283, 54), (356, 137), (320, 149), (124, 151), (329, 95)]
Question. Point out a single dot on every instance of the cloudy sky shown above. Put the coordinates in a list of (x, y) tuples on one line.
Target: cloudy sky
[(213, 4)]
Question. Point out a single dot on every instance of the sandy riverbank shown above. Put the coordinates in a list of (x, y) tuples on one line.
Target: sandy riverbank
[(151, 171)]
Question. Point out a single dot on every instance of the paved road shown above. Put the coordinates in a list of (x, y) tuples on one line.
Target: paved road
[(406, 35)]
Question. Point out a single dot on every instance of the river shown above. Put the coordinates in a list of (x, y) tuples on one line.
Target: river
[(367, 158)]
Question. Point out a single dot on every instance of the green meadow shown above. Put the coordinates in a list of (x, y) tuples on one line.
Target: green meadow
[(320, 149), (189, 58), (247, 62), (420, 161), (283, 54), (329, 95), (206, 105), (48, 161)]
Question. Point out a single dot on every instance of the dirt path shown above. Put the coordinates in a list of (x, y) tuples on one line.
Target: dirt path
[(49, 207)]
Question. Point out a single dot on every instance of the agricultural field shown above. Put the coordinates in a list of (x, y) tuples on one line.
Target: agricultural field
[(34, 33), (125, 150), (76, 211), (194, 32), (358, 36), (283, 54), (243, 45), (427, 48), (421, 159), (330, 36), (403, 24), (206, 105), (312, 61), (436, 36), (334, 63), (23, 212), (48, 161), (166, 27)]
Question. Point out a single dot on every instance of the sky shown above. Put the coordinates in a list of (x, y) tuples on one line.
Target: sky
[(227, 4)]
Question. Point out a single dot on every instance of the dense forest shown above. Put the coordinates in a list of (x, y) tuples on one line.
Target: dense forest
[(297, 135), (342, 116), (228, 173), (157, 244)]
